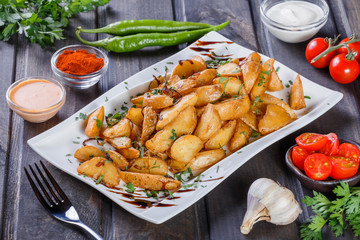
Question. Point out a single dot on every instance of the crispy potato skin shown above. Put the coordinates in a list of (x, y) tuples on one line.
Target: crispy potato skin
[(92, 128), (205, 77), (187, 68), (150, 181), (232, 86), (208, 94), (251, 71), (222, 136), (185, 148), (204, 160), (269, 99), (157, 101), (87, 152), (209, 123), (135, 115), (149, 124), (119, 160), (240, 137), (129, 153), (297, 100), (262, 81), (233, 108), (229, 70), (122, 128), (120, 142), (275, 83), (275, 118), (151, 165)]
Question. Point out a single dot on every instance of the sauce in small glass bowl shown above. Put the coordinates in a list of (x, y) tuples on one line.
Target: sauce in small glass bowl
[(36, 99)]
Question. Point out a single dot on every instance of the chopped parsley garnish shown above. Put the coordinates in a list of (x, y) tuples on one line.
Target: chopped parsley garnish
[(69, 160), (130, 188), (256, 100), (98, 123), (166, 69), (291, 82), (156, 91), (254, 134), (217, 169), (68, 155), (277, 69), (169, 63), (100, 178), (287, 85), (266, 72), (76, 142), (307, 97), (106, 99), (82, 116), (173, 137)]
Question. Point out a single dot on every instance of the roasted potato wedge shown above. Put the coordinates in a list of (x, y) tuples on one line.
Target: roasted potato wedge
[(138, 101), (275, 83), (233, 108), (269, 99), (129, 153), (135, 134), (204, 77), (229, 70), (135, 115), (232, 85), (204, 160), (94, 123), (99, 167), (184, 86), (185, 148), (151, 165), (174, 79), (208, 94), (251, 71), (251, 120), (168, 115), (240, 137), (150, 181), (187, 68), (184, 124), (221, 137), (157, 101), (209, 123), (297, 100), (122, 128), (120, 142), (262, 81), (176, 166), (253, 57), (275, 118), (119, 160), (88, 152), (149, 124)]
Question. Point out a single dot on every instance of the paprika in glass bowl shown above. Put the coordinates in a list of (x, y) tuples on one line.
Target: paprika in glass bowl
[(79, 66)]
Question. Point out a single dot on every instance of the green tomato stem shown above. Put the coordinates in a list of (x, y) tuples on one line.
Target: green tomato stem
[(333, 48)]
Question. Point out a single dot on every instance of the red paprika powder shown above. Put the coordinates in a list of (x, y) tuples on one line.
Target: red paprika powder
[(79, 62)]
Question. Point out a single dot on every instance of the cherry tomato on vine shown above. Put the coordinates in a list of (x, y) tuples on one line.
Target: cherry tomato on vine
[(314, 48), (343, 167), (353, 46), (332, 145), (349, 150), (298, 156), (311, 141), (317, 166), (344, 70)]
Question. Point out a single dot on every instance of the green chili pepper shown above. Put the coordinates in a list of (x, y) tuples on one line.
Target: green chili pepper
[(141, 40), (128, 27)]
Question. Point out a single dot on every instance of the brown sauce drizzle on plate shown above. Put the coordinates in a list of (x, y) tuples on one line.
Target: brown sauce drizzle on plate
[(204, 43), (200, 49)]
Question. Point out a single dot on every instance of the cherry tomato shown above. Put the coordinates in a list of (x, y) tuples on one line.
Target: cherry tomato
[(298, 156), (317, 166), (343, 167), (311, 141), (353, 46), (349, 150), (332, 145), (343, 70), (314, 48)]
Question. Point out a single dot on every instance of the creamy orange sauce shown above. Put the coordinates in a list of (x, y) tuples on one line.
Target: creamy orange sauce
[(36, 94)]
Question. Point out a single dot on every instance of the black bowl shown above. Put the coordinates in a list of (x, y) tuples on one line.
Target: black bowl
[(320, 186)]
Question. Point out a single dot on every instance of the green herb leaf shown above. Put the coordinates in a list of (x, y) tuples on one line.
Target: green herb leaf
[(82, 116), (130, 188), (173, 137), (100, 179)]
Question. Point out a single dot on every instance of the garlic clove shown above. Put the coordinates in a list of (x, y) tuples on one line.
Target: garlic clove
[(268, 200)]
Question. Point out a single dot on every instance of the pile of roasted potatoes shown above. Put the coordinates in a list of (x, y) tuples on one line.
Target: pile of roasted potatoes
[(186, 121)]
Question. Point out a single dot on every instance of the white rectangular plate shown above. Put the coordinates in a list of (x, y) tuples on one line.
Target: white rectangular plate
[(57, 142)]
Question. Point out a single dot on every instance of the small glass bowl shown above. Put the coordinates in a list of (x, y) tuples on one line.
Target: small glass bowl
[(36, 115), (293, 34), (80, 81)]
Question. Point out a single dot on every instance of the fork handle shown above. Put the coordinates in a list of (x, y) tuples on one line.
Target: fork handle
[(89, 230)]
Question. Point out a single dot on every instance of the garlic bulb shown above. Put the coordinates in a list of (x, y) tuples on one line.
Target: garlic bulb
[(268, 200)]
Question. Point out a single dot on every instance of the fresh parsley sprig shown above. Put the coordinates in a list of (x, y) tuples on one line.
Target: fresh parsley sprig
[(40, 21), (338, 214)]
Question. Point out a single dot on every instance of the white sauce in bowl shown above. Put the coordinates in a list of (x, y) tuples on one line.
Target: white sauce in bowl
[(295, 13)]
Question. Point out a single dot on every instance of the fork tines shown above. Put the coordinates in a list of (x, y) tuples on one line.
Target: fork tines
[(52, 198)]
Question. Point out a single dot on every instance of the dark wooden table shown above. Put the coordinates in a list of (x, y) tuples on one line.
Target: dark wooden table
[(220, 213)]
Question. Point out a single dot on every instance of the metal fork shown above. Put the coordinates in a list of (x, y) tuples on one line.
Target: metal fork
[(57, 204)]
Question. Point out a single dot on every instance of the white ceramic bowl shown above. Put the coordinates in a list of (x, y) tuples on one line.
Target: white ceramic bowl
[(292, 34)]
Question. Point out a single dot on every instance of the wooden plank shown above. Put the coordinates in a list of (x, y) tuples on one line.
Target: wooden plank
[(123, 66), (7, 64), (24, 217)]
